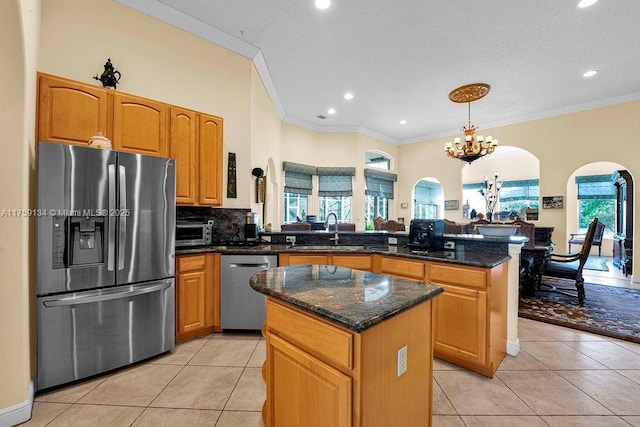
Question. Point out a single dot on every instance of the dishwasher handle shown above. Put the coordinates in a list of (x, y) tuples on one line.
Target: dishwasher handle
[(249, 265)]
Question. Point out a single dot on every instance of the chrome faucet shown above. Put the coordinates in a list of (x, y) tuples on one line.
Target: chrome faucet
[(326, 224)]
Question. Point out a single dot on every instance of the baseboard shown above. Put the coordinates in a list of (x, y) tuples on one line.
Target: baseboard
[(513, 347), (18, 413)]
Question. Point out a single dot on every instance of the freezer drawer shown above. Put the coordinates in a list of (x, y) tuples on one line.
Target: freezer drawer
[(86, 333)]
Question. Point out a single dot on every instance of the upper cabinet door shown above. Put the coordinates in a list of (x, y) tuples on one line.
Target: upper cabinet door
[(210, 162), (139, 125), (183, 147), (70, 112)]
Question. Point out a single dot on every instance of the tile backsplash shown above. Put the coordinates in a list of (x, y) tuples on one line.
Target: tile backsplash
[(228, 224)]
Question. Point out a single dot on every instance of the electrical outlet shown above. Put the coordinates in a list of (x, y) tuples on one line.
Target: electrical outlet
[(266, 238), (392, 241), (290, 239), (449, 244), (402, 360)]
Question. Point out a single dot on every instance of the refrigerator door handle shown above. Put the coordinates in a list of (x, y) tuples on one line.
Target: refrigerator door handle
[(122, 215), (111, 248), (77, 300)]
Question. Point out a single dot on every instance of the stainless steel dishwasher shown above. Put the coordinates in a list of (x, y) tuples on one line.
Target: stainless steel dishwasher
[(240, 306)]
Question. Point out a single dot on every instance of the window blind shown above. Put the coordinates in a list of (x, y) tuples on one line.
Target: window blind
[(379, 183), (427, 193), (595, 187), (335, 181), (298, 178)]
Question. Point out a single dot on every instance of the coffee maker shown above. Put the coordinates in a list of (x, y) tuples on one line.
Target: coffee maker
[(426, 235), (251, 227)]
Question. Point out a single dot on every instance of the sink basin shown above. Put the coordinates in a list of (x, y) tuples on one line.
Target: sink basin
[(497, 230)]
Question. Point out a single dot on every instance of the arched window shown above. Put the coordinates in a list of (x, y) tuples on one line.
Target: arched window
[(427, 199)]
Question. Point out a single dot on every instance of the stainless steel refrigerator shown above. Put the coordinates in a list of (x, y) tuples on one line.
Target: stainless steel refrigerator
[(105, 260)]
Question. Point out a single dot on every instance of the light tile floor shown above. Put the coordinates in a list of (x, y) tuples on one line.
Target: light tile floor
[(562, 377)]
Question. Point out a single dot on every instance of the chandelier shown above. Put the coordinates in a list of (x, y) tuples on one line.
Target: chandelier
[(472, 148)]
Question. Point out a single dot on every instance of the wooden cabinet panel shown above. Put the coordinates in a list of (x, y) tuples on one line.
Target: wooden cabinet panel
[(70, 112), (316, 394), (303, 259), (191, 297), (358, 262), (183, 147), (467, 276), (402, 268), (460, 324), (197, 295), (140, 125), (210, 162), (315, 337)]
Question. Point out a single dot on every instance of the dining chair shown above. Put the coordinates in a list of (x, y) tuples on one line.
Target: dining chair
[(578, 238), (570, 266)]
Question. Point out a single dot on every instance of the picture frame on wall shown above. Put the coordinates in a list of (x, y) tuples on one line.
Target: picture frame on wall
[(451, 205), (552, 202)]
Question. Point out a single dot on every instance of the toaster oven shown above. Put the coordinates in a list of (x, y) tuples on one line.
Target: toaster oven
[(193, 233)]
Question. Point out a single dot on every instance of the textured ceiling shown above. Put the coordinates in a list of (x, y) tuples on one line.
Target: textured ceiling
[(401, 58)]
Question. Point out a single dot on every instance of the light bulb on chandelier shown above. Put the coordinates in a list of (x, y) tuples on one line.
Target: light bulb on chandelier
[(472, 148)]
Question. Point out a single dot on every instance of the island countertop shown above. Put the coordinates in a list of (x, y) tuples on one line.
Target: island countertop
[(353, 299)]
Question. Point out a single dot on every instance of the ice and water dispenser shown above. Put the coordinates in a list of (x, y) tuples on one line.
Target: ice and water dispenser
[(78, 240)]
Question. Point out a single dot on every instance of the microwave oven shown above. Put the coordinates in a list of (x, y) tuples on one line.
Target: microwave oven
[(193, 233)]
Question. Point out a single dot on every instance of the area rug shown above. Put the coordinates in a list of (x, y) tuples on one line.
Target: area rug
[(596, 263), (607, 310)]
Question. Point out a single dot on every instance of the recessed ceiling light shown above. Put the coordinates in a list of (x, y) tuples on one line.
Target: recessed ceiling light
[(331, 111), (586, 3), (348, 95), (590, 73), (403, 122), (323, 4)]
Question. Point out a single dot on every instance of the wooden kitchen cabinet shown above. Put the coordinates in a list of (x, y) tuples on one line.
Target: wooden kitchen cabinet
[(139, 125), (356, 261), (71, 112), (196, 144), (394, 266), (197, 295), (470, 317), (320, 374)]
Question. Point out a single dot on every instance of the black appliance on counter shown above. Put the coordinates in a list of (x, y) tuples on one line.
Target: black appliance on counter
[(426, 235)]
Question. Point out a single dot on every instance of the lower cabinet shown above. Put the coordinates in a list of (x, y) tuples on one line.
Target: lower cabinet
[(197, 295), (356, 261), (470, 317), (320, 374)]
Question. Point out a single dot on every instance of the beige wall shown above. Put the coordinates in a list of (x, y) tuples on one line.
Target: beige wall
[(19, 24), (157, 61)]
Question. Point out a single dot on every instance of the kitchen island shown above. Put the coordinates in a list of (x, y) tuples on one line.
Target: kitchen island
[(346, 347)]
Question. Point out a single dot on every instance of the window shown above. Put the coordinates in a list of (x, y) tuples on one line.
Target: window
[(298, 185), (377, 160), (515, 196), (596, 198), (334, 191), (427, 197), (379, 189)]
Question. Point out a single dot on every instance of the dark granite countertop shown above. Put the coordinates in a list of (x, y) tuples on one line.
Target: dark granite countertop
[(489, 257), (354, 299)]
